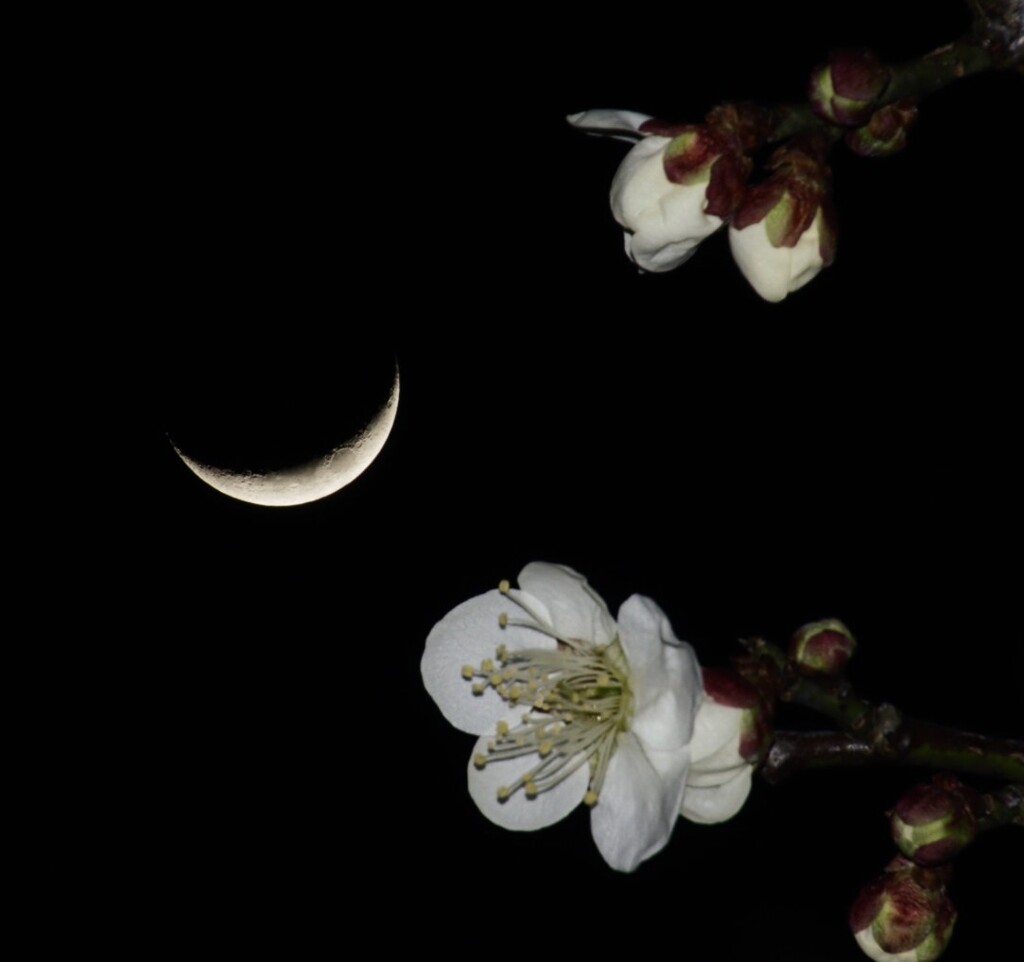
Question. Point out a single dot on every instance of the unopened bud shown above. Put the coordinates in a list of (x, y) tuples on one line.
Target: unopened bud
[(847, 88), (822, 647), (933, 823), (886, 132), (904, 916)]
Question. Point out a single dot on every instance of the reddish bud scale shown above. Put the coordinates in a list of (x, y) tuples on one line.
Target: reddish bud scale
[(792, 194)]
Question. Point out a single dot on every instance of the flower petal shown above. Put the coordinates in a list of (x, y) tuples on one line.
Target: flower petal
[(518, 812), (607, 122), (776, 271), (575, 610), (720, 802), (667, 219), (466, 636), (636, 811), (715, 748), (663, 675)]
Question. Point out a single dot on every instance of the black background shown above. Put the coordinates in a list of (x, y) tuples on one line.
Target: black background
[(310, 217)]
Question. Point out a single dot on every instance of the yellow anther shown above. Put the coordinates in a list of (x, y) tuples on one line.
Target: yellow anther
[(567, 717), (478, 687), (479, 760), (487, 666), (509, 673), (515, 692), (545, 748), (495, 678), (589, 799), (503, 728), (503, 620), (503, 586), (467, 672), (603, 680), (501, 653), (531, 790), (503, 793), (502, 690)]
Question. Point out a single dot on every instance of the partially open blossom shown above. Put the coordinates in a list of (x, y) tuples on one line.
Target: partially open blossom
[(783, 233), (933, 823), (731, 736), (570, 706), (904, 916), (822, 647), (679, 182), (846, 89)]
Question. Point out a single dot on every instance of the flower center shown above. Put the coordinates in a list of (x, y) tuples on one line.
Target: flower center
[(577, 700)]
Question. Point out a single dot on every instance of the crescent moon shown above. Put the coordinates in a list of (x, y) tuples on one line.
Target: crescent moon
[(310, 480)]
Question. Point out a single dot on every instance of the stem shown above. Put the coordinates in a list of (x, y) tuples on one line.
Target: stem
[(929, 746), (873, 733), (915, 78)]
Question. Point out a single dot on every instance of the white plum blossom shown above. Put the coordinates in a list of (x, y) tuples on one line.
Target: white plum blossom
[(571, 705), (663, 221)]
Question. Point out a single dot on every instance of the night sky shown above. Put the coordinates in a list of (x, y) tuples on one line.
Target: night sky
[(850, 453)]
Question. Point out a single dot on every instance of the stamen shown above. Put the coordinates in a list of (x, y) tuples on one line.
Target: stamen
[(573, 676), (503, 586), (503, 619)]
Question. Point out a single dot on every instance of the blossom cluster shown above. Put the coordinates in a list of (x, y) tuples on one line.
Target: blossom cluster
[(680, 184)]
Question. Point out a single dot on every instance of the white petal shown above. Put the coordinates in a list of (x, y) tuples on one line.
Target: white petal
[(466, 636), (715, 747), (870, 947), (606, 122), (709, 805), (807, 262), (575, 610), (775, 271), (518, 812), (663, 675), (640, 181), (636, 811), (667, 219)]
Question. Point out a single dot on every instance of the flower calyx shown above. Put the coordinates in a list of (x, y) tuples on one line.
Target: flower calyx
[(933, 823), (905, 915), (847, 88)]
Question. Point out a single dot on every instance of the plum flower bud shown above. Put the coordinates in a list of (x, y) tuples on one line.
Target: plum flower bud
[(822, 647), (846, 89), (933, 823), (664, 221), (680, 182), (886, 132), (783, 232), (904, 916)]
